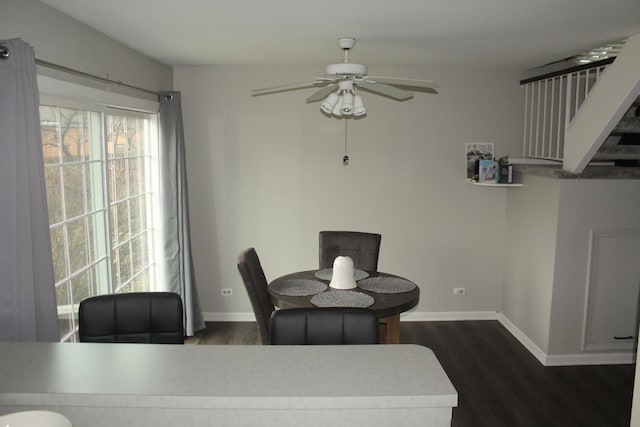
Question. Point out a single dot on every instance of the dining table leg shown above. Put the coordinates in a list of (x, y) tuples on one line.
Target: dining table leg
[(389, 329)]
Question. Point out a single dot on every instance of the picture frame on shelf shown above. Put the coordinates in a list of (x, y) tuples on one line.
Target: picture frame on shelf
[(475, 151)]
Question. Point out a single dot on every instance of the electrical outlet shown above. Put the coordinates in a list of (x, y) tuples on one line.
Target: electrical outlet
[(459, 291), (226, 292)]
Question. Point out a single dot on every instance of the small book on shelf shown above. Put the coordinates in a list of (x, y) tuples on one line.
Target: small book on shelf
[(506, 173), (488, 171)]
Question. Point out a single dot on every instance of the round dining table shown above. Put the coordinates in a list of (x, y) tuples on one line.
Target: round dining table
[(386, 303)]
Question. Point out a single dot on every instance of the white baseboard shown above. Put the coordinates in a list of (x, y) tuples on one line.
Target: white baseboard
[(425, 316), (228, 317), (590, 358), (415, 316), (524, 340)]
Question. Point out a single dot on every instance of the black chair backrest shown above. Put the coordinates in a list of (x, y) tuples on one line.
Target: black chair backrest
[(137, 317), (329, 326), (256, 284), (363, 248)]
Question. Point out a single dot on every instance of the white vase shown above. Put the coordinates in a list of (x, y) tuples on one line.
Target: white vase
[(343, 273)]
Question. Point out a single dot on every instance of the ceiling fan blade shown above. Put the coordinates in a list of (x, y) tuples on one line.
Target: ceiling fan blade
[(398, 81), (332, 79), (290, 86), (322, 93), (386, 90)]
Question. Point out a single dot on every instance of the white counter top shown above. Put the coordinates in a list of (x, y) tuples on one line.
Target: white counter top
[(74, 378)]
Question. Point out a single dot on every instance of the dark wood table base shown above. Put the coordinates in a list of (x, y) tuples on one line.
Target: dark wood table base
[(389, 329)]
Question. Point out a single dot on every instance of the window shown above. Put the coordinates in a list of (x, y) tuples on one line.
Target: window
[(101, 176)]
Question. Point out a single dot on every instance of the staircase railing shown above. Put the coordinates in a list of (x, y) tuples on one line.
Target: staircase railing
[(551, 102)]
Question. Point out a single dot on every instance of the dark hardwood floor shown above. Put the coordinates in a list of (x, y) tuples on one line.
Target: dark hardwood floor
[(231, 333), (499, 382)]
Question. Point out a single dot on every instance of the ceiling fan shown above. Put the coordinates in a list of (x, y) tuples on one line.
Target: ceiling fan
[(340, 86)]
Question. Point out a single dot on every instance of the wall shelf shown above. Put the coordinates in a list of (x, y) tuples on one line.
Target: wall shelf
[(491, 184)]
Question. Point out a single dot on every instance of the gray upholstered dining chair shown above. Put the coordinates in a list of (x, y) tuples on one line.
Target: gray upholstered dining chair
[(134, 317), (324, 326), (363, 248), (256, 283)]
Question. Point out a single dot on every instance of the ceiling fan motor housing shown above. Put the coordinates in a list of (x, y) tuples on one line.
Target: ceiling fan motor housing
[(346, 69)]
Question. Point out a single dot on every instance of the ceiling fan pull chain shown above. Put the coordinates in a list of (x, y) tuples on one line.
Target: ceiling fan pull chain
[(345, 159)]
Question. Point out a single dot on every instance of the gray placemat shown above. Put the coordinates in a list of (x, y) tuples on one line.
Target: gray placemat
[(386, 285), (342, 299), (297, 287), (327, 273)]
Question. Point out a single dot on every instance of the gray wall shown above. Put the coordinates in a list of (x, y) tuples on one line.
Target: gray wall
[(267, 172), (530, 250), (549, 222), (585, 205), (62, 40)]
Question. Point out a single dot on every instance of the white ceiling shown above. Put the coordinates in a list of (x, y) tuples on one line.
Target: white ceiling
[(518, 33)]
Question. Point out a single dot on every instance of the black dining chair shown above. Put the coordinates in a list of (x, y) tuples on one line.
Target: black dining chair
[(136, 317), (362, 248), (324, 326), (256, 284)]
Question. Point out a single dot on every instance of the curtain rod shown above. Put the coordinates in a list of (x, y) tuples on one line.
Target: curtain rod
[(92, 76)]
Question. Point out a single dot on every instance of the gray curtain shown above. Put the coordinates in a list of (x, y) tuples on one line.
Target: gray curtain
[(27, 294), (175, 211)]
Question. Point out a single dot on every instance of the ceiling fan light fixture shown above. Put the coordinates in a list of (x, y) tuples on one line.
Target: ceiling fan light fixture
[(358, 106), (347, 104), (337, 110), (329, 103)]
